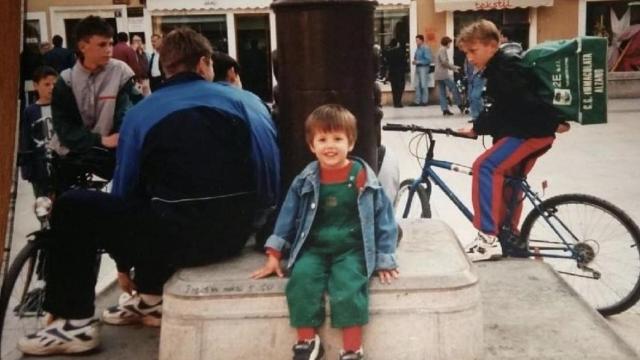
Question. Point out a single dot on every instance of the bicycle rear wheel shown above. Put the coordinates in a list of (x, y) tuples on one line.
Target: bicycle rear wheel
[(419, 204), (21, 300), (606, 272)]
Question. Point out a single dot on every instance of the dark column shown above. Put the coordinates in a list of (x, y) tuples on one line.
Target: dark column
[(325, 55), (10, 40)]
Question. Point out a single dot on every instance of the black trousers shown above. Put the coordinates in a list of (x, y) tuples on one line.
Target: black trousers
[(152, 239), (397, 88)]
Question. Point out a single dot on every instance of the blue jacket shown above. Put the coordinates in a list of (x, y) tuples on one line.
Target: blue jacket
[(423, 55), (187, 104), (379, 228)]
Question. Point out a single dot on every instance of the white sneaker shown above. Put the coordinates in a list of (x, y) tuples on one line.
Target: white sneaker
[(484, 247), (133, 310), (60, 337)]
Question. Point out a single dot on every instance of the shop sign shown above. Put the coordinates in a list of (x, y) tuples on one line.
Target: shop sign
[(493, 5)]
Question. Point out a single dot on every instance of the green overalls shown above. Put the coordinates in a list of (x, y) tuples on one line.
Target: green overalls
[(332, 260)]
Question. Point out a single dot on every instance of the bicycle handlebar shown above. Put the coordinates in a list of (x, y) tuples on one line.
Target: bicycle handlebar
[(416, 128)]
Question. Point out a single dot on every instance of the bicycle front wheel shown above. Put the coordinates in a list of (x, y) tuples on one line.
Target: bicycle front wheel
[(21, 300), (419, 204), (605, 243)]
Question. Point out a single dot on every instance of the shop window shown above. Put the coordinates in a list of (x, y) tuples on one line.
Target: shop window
[(619, 22), (390, 24), (512, 22), (213, 27)]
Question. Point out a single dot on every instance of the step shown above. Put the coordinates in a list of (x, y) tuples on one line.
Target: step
[(531, 313), (432, 311)]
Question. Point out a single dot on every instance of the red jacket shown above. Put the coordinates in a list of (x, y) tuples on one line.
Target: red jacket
[(124, 52)]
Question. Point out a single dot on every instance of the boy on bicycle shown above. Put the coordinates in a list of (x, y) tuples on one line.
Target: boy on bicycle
[(340, 228), (522, 126)]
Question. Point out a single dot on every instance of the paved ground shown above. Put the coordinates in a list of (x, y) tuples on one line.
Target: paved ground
[(601, 160), (598, 159)]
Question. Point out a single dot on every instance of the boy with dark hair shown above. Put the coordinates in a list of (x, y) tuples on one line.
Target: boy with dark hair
[(226, 69), (522, 126), (88, 104), (34, 132), (339, 233)]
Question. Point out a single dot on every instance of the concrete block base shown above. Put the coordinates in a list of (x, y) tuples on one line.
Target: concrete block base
[(432, 312)]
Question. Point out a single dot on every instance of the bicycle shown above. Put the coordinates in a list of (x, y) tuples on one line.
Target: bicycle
[(591, 243), (22, 292)]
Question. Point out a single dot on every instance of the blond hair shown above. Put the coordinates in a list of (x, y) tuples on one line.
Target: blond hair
[(330, 118), (483, 31)]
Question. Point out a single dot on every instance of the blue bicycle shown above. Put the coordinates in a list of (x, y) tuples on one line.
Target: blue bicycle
[(591, 243)]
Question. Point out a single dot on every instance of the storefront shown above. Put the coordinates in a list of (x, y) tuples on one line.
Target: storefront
[(246, 30), (59, 17), (516, 18), (618, 21)]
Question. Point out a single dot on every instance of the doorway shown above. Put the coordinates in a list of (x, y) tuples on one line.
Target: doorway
[(254, 53)]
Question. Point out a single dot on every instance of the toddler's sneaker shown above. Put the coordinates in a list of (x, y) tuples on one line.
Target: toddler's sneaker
[(133, 311), (484, 247), (60, 337), (352, 355), (308, 350)]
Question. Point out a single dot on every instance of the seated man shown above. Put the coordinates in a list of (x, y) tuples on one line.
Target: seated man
[(197, 162), (88, 103)]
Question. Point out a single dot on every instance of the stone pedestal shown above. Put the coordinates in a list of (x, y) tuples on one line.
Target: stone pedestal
[(432, 311)]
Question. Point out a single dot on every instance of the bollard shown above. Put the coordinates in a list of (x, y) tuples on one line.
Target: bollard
[(325, 56)]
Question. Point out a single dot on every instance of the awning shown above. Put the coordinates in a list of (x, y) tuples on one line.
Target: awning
[(219, 5), (463, 5), (227, 5)]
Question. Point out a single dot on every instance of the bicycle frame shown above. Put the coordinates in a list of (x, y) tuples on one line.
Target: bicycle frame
[(429, 175)]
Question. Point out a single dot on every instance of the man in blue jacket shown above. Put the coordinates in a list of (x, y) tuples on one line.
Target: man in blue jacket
[(197, 165)]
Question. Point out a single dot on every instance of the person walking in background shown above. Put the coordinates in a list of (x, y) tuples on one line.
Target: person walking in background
[(143, 60), (396, 62), (142, 78), (123, 52), (59, 58), (422, 61), (444, 80), (155, 70), (475, 88)]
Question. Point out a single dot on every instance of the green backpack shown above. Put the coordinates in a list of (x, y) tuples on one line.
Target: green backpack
[(573, 76)]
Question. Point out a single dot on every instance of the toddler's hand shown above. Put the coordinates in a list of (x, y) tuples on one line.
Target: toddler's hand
[(386, 276), (272, 266)]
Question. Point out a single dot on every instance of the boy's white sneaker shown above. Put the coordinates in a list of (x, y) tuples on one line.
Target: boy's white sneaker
[(133, 310), (484, 247), (60, 337)]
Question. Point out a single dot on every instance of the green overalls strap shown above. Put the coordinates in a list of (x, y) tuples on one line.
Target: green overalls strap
[(333, 261)]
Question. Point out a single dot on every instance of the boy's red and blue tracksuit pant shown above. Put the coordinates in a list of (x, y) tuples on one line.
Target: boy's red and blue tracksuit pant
[(509, 156)]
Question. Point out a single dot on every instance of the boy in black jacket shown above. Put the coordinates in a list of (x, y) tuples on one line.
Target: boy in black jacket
[(522, 125)]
